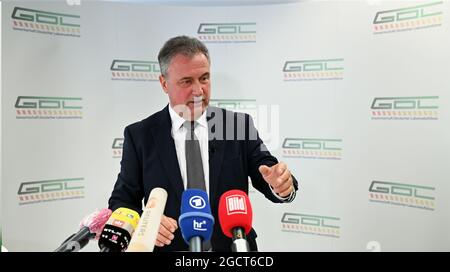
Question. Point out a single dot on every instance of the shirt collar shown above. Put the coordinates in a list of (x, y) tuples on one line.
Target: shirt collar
[(177, 121)]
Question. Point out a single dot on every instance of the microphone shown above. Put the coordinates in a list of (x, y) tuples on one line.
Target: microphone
[(235, 217), (117, 232), (144, 238), (90, 228), (196, 222)]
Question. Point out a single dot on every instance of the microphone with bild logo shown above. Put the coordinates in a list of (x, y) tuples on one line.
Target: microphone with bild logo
[(235, 217)]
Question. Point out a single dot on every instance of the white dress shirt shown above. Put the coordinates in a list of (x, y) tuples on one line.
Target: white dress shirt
[(201, 132), (179, 137)]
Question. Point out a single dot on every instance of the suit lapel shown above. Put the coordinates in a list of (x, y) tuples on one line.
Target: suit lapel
[(167, 153), (216, 148)]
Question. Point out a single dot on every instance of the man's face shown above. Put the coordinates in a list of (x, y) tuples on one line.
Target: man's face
[(188, 85)]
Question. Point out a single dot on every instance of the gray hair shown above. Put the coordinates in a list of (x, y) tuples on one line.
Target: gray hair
[(187, 46)]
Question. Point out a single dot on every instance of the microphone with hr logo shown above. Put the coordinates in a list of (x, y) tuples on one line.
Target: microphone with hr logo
[(235, 217), (196, 221)]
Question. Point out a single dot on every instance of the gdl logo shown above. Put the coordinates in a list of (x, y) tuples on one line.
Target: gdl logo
[(32, 192), (135, 70), (197, 202), (117, 147), (227, 32), (318, 69), (311, 224), (45, 22), (312, 148), (248, 106), (408, 18), (405, 108), (46, 107), (402, 194)]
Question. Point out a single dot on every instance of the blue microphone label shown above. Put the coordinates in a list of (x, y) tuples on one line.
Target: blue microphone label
[(197, 202), (199, 225)]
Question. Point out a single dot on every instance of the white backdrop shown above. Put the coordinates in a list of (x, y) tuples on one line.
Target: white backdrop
[(361, 88)]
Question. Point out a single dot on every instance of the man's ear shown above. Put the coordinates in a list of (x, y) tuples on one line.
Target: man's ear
[(163, 82)]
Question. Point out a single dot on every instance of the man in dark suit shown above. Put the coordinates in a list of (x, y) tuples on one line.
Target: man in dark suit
[(190, 141)]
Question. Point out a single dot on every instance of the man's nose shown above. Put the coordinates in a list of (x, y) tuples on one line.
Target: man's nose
[(197, 89)]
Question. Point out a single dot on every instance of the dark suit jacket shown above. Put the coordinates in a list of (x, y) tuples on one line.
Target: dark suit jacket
[(149, 160)]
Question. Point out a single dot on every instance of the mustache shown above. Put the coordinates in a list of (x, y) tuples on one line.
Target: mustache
[(197, 100)]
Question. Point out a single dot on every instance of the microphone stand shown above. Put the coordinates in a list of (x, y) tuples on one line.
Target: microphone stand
[(195, 244), (240, 243)]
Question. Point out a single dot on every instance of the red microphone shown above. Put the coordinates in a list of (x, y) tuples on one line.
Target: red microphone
[(235, 217)]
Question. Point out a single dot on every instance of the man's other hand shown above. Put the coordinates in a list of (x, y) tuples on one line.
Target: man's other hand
[(166, 229), (279, 178)]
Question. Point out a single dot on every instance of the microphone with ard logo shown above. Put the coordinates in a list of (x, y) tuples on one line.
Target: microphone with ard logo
[(196, 221), (235, 217)]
